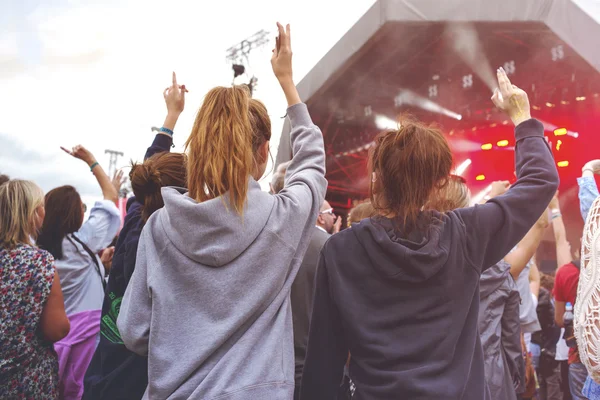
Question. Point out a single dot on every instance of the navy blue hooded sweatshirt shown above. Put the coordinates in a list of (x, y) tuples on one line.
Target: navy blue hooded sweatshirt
[(116, 373), (406, 306)]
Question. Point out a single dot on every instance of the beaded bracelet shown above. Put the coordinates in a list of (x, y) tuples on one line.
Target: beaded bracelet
[(94, 165)]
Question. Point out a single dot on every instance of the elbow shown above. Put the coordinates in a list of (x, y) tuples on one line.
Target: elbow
[(58, 330)]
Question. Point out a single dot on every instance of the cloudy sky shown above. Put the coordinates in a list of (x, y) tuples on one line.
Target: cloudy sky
[(92, 72)]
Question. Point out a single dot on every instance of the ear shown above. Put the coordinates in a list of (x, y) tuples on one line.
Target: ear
[(263, 152)]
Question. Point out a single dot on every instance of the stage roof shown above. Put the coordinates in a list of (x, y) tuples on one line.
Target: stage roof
[(435, 60)]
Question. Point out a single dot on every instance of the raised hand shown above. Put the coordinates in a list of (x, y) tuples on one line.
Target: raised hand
[(499, 188), (554, 203), (512, 100), (281, 61), (175, 97), (337, 226), (118, 180), (81, 153)]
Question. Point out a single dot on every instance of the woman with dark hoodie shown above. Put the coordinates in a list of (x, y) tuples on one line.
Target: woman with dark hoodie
[(116, 373), (400, 291), (499, 323), (209, 300)]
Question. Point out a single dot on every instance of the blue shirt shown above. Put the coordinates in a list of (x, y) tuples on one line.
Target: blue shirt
[(588, 191)]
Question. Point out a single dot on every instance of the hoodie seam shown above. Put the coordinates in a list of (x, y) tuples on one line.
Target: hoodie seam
[(282, 241)]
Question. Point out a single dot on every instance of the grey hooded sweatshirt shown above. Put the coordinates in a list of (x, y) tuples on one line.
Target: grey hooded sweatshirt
[(209, 301), (500, 332)]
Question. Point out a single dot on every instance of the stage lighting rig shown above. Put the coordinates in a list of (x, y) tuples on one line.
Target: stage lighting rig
[(238, 55)]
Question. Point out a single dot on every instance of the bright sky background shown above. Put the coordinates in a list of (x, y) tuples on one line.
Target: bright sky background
[(92, 72)]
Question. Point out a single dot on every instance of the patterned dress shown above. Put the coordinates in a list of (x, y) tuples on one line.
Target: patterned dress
[(28, 363)]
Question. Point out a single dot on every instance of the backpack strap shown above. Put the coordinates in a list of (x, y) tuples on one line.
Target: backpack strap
[(92, 255)]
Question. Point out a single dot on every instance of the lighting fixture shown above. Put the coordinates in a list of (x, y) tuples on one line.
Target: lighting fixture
[(480, 177), (558, 144), (563, 164), (560, 131), (549, 105), (486, 146), (580, 98), (502, 143)]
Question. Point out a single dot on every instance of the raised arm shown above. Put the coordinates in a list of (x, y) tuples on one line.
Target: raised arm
[(108, 190), (563, 248), (175, 100), (305, 177), (494, 228), (588, 190), (525, 250)]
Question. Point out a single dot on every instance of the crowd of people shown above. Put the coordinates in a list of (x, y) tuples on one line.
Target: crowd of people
[(215, 289)]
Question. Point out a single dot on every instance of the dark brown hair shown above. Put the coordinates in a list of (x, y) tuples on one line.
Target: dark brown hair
[(229, 129), (147, 179), (408, 163), (4, 179), (454, 195), (64, 215)]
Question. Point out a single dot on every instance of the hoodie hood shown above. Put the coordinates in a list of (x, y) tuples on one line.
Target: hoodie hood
[(493, 278), (413, 259), (223, 233)]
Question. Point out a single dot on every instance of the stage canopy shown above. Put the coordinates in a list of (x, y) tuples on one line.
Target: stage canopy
[(436, 60)]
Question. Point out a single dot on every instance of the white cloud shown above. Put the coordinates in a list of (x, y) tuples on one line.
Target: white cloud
[(102, 68)]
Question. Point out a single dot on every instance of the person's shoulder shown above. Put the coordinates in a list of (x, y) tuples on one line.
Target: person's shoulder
[(35, 253), (566, 271)]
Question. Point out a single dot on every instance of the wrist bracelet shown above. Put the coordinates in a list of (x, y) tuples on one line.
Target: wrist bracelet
[(587, 169), (94, 165), (166, 130), (557, 215)]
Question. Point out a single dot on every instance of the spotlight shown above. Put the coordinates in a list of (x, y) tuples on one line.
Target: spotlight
[(502, 143), (560, 132), (486, 146), (563, 164), (382, 122), (480, 177), (580, 98), (462, 167)]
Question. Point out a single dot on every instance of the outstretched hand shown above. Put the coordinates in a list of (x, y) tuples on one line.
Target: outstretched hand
[(118, 180), (281, 61), (81, 153), (175, 97), (512, 100)]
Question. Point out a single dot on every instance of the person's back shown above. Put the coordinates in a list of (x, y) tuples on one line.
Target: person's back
[(209, 301), (400, 291), (500, 332), (32, 312)]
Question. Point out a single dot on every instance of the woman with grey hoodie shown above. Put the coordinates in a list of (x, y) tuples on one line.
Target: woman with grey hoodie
[(209, 301)]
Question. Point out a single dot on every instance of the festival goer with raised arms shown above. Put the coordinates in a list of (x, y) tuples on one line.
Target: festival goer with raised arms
[(32, 310), (217, 322), (75, 245), (400, 291), (116, 373)]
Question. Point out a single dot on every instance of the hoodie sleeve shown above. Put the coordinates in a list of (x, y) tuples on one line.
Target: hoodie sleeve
[(511, 338), (305, 184), (494, 228), (161, 143), (136, 308), (327, 351)]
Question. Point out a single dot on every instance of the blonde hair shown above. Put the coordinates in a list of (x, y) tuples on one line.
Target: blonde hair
[(19, 200), (229, 129), (360, 212), (452, 196)]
